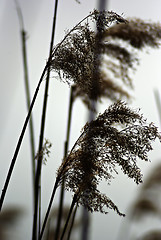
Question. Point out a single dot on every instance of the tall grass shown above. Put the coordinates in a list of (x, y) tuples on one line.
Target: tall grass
[(118, 137)]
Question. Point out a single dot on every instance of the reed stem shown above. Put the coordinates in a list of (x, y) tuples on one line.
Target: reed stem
[(49, 208), (71, 101), (69, 215), (13, 161), (39, 162), (72, 222)]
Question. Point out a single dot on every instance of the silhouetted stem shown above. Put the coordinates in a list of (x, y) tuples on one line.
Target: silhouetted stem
[(71, 101), (39, 162), (65, 154), (58, 179), (72, 223), (49, 208), (13, 161), (69, 215)]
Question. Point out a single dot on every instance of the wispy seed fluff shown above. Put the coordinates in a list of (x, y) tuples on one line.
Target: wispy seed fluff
[(117, 138), (99, 59), (77, 58)]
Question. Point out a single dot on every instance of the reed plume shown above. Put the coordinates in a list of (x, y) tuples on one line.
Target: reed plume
[(81, 57), (76, 59), (118, 137)]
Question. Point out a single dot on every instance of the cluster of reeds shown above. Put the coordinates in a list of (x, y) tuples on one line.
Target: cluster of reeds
[(96, 62)]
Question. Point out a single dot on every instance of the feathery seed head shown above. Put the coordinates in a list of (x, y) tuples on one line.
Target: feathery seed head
[(101, 148), (93, 58)]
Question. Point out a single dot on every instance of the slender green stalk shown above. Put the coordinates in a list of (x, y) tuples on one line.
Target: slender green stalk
[(71, 101), (74, 201), (39, 162)]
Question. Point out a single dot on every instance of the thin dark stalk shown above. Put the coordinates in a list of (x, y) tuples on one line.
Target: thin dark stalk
[(69, 215), (71, 101), (27, 120), (13, 161), (72, 222), (59, 177), (39, 162), (49, 208)]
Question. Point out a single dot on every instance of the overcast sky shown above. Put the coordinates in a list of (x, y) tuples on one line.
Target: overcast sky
[(38, 22)]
